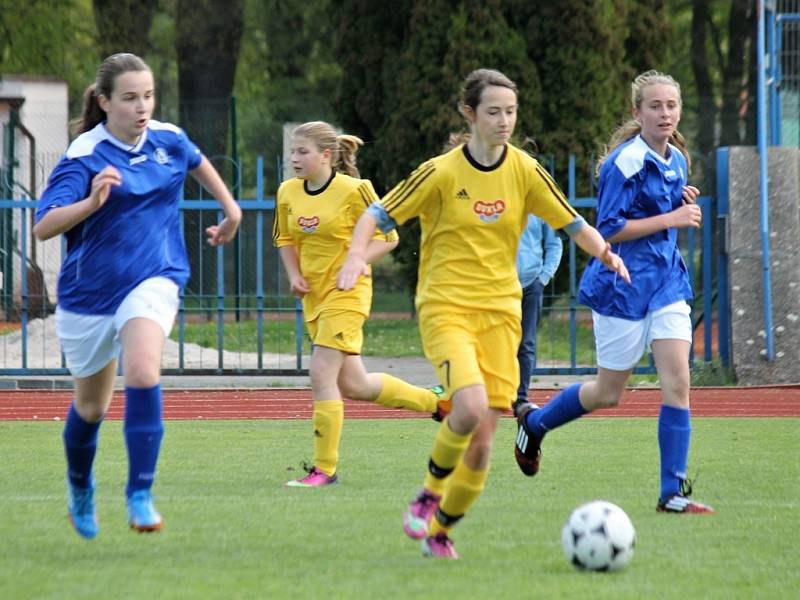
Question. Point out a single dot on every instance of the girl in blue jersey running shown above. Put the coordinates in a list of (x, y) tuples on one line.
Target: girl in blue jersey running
[(114, 195), (642, 201)]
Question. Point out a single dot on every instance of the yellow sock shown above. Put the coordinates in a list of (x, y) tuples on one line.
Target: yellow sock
[(328, 418), (448, 448), (396, 393), (463, 489)]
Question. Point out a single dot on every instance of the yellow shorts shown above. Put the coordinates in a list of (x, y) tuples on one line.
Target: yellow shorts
[(473, 349), (341, 330)]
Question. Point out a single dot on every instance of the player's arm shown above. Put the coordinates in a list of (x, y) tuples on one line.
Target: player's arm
[(590, 240), (206, 175), (291, 264), (377, 249), (686, 215), (63, 218), (356, 264)]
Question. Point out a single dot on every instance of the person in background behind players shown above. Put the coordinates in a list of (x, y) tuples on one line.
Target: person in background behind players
[(473, 204), (538, 258), (114, 195), (315, 216), (642, 201)]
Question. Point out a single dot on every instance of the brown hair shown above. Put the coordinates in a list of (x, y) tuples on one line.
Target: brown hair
[(107, 73), (631, 127), (479, 80), (474, 84), (343, 147)]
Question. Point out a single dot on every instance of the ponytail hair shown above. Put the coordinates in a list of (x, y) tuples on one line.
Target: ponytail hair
[(632, 128), (107, 73), (343, 147), (456, 139)]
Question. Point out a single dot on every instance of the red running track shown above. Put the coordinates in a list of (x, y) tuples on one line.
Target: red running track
[(26, 405)]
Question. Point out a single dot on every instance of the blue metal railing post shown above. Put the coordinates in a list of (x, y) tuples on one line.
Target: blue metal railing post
[(708, 310), (723, 301), (573, 283), (260, 263), (763, 187), (220, 300)]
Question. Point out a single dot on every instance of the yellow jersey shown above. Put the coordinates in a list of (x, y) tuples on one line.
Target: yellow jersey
[(320, 225), (471, 217)]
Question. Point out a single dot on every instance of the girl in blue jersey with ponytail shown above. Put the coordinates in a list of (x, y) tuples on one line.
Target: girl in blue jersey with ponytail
[(642, 201), (114, 195)]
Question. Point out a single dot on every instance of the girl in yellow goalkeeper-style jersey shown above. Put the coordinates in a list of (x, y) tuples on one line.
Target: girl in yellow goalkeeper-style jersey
[(315, 215), (473, 203)]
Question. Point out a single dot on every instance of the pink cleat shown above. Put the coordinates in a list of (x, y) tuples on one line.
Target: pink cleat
[(419, 514), (439, 546), (315, 478)]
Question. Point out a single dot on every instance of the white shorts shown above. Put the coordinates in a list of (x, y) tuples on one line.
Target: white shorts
[(90, 342), (621, 343)]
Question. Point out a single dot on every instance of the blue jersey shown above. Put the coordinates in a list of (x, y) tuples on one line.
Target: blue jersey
[(636, 183), (137, 232)]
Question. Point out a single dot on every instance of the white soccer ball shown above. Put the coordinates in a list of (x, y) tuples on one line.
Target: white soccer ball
[(598, 536)]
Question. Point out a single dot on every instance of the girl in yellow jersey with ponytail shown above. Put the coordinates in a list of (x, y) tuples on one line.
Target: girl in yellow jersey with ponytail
[(315, 215), (473, 203)]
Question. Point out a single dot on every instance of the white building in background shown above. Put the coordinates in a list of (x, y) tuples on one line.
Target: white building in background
[(35, 110)]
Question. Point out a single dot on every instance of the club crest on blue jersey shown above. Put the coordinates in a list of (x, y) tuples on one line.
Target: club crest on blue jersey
[(489, 212), (161, 156), (308, 224)]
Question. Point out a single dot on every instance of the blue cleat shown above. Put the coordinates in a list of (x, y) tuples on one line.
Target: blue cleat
[(82, 514), (142, 515)]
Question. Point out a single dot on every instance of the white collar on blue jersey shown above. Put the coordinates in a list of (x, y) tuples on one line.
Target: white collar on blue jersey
[(120, 144)]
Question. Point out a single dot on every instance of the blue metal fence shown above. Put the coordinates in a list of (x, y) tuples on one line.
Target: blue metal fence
[(218, 297)]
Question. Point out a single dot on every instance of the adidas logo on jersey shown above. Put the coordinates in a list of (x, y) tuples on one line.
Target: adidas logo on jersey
[(462, 194)]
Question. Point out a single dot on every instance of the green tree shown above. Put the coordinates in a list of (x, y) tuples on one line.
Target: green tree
[(578, 50), (420, 71), (367, 45), (287, 73), (49, 37), (123, 25), (207, 47)]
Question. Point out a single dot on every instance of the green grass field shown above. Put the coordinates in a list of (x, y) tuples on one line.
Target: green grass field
[(232, 530)]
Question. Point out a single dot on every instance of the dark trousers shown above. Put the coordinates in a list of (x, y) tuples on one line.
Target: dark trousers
[(526, 355)]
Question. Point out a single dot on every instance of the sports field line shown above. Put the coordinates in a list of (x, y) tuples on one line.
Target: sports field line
[(272, 403)]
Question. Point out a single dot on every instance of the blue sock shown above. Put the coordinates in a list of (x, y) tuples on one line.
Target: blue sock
[(674, 433), (562, 409), (143, 432), (80, 446)]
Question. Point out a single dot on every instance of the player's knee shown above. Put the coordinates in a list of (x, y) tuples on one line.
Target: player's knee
[(355, 391), (140, 374), (91, 412), (607, 399)]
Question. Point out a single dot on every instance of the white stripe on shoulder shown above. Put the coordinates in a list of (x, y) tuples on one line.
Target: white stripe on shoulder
[(84, 144), (630, 159), (161, 126)]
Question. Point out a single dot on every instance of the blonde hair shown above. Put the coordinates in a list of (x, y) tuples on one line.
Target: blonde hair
[(343, 147), (631, 127)]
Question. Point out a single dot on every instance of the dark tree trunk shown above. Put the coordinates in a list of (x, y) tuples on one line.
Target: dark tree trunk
[(702, 78), (735, 75), (208, 34), (123, 25)]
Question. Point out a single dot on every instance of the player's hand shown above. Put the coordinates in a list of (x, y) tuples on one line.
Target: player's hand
[(299, 286), (224, 232), (687, 215), (690, 194), (101, 186), (353, 268), (615, 263)]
